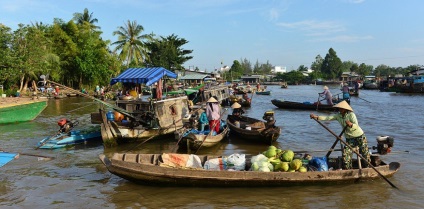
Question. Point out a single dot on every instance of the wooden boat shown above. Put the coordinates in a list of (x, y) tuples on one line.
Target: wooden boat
[(284, 85), (66, 139), (59, 96), (263, 92), (71, 95), (301, 106), (194, 139), (150, 169), (6, 157), (14, 109), (258, 131)]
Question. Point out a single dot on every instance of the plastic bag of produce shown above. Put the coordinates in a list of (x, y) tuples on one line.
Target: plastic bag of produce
[(320, 163), (216, 164), (236, 162)]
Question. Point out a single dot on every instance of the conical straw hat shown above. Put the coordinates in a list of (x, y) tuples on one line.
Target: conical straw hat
[(344, 105), (235, 105), (212, 100)]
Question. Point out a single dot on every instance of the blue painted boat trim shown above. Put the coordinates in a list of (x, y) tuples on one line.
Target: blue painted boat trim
[(6, 157), (63, 140)]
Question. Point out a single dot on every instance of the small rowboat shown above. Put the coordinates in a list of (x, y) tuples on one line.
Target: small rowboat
[(194, 139), (263, 92), (301, 106), (66, 139), (253, 129), (150, 169)]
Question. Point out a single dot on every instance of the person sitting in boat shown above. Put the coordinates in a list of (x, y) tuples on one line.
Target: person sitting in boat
[(237, 110), (203, 120), (246, 97), (213, 114), (327, 94), (354, 135)]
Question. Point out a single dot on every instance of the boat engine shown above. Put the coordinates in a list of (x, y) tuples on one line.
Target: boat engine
[(269, 118), (384, 144), (65, 125)]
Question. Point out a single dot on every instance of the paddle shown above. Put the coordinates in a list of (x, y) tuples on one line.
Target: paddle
[(48, 140), (356, 152), (211, 130), (335, 143), (364, 99), (319, 95)]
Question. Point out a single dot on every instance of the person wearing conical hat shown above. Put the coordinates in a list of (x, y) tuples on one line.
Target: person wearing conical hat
[(327, 94), (354, 135), (237, 110), (213, 113)]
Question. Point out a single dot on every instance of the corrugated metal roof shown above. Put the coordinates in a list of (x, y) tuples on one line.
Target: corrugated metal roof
[(193, 77), (146, 76)]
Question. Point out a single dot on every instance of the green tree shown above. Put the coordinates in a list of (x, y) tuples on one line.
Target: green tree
[(364, 69), (86, 18), (167, 52), (246, 65), (6, 58), (331, 66), (132, 43)]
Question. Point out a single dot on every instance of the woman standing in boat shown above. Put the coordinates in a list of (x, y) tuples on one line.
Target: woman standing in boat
[(354, 135), (327, 94), (213, 114)]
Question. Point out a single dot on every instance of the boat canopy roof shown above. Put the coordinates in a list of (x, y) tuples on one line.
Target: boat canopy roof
[(147, 76)]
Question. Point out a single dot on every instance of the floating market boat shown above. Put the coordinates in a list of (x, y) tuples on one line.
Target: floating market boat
[(14, 109), (148, 119), (194, 139), (155, 169), (301, 105), (6, 157), (253, 129)]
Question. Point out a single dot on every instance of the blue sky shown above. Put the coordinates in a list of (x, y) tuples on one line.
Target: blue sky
[(286, 33)]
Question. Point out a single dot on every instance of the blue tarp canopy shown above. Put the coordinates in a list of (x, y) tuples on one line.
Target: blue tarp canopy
[(146, 76)]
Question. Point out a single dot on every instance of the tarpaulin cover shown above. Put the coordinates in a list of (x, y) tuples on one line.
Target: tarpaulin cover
[(146, 76)]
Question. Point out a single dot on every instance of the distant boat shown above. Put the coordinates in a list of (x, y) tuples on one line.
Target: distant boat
[(263, 92), (20, 109), (301, 105)]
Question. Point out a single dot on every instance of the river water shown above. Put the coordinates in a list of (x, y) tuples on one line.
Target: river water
[(75, 178)]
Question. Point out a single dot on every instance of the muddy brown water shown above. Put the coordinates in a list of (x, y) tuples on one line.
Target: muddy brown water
[(77, 179)]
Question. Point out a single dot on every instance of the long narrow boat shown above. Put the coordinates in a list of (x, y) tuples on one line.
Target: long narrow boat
[(66, 139), (301, 106), (20, 109), (263, 92), (151, 169), (253, 129), (194, 139)]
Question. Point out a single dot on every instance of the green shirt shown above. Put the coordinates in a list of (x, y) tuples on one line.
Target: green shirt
[(353, 132)]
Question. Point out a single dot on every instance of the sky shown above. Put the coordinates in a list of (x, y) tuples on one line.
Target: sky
[(286, 33)]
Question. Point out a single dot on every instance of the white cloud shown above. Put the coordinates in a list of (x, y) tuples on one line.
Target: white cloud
[(343, 39), (314, 28)]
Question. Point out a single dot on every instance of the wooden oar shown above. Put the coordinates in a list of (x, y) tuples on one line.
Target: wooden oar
[(335, 143), (318, 100), (47, 140), (211, 130), (364, 99), (356, 152)]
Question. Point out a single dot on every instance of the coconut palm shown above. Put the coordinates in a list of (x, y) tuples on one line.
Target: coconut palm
[(86, 17), (132, 43)]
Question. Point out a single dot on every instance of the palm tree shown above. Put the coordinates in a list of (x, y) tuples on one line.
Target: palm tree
[(86, 17), (132, 43)]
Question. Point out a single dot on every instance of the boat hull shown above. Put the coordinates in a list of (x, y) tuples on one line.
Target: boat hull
[(197, 141), (256, 134), (145, 169), (301, 106), (67, 139), (22, 112)]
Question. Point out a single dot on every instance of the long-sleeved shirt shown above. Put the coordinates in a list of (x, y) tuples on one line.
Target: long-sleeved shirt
[(212, 112), (327, 94), (203, 118), (350, 132)]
